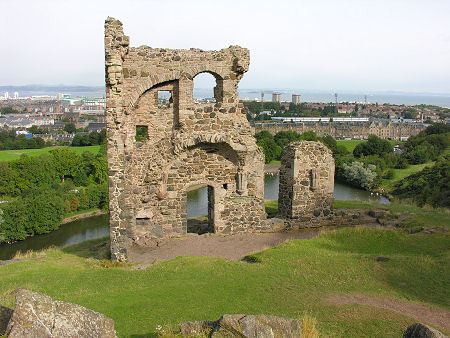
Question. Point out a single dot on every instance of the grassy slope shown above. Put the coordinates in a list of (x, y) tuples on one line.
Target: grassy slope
[(400, 174), (291, 279), (10, 155)]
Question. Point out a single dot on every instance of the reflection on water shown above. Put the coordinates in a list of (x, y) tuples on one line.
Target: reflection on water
[(197, 205), (341, 191), (68, 234)]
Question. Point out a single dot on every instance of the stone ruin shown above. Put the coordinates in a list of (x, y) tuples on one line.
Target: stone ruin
[(159, 150), (306, 181)]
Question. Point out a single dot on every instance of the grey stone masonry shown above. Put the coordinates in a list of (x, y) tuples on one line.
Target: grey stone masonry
[(186, 144), (306, 182)]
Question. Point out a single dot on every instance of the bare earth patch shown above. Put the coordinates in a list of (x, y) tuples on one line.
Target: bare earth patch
[(234, 247), (422, 313)]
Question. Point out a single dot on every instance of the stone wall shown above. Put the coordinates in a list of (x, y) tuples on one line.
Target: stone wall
[(306, 181), (188, 145)]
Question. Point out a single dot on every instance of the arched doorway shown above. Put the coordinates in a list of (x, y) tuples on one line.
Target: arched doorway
[(200, 209)]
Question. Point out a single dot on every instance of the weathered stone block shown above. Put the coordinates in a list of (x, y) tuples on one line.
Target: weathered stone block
[(37, 315)]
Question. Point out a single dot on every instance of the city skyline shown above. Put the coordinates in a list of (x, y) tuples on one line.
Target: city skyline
[(362, 46)]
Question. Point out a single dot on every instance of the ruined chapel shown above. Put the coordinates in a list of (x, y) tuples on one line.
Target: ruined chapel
[(158, 150)]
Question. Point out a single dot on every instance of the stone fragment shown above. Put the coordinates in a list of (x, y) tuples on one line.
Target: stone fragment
[(257, 326), (37, 315), (419, 330)]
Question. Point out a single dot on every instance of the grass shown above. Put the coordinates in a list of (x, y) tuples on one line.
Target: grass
[(351, 144), (290, 280), (399, 174), (11, 155), (271, 207)]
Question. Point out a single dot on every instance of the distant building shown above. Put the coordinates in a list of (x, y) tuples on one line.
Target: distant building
[(276, 97), (96, 126), (296, 98), (6, 95), (16, 95)]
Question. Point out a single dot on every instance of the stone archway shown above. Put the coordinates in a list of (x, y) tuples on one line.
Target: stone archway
[(187, 142)]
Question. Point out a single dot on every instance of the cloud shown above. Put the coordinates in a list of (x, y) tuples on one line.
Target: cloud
[(322, 44)]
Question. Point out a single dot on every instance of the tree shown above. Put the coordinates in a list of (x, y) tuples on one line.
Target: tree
[(13, 221), (8, 180), (309, 136), (44, 210), (373, 146), (283, 138), (330, 142), (272, 151), (70, 128), (34, 172), (358, 175), (67, 163)]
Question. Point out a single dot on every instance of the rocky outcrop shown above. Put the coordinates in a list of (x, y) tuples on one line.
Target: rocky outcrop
[(239, 325), (37, 315), (419, 330)]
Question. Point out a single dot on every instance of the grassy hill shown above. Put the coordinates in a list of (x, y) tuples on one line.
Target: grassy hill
[(296, 278), (10, 155)]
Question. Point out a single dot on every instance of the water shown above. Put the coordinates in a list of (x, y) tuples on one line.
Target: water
[(97, 227), (341, 192), (206, 91), (68, 234)]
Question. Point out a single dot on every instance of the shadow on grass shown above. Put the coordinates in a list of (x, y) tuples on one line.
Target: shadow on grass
[(96, 249)]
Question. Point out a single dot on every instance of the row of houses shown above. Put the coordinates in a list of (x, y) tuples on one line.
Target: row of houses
[(347, 130)]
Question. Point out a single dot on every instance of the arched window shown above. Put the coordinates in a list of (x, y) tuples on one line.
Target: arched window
[(207, 88)]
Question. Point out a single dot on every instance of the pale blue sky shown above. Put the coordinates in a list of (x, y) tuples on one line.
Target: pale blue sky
[(364, 45)]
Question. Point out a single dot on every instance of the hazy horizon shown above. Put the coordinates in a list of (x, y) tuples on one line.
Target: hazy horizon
[(359, 46)]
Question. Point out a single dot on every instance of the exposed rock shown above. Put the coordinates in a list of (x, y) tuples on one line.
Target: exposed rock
[(382, 259), (376, 213), (248, 326), (419, 330), (5, 316), (196, 328), (37, 315)]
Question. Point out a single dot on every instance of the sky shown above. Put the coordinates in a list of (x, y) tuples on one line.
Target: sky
[(353, 45)]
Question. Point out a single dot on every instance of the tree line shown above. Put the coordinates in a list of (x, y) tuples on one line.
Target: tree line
[(37, 192)]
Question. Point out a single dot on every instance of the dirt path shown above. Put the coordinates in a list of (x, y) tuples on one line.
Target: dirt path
[(233, 247), (422, 313)]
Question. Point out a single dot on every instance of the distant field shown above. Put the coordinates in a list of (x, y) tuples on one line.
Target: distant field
[(351, 144), (10, 155)]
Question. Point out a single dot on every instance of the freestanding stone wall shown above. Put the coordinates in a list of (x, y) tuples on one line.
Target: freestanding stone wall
[(188, 144), (306, 181)]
